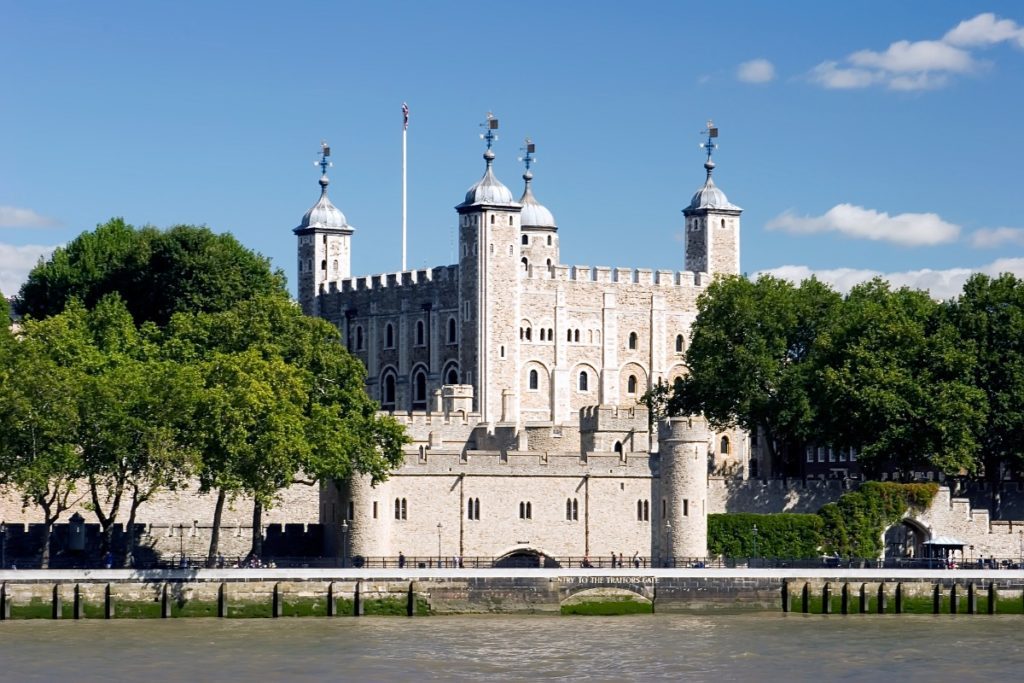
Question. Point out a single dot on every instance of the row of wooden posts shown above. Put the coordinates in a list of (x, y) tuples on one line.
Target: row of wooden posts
[(166, 600), (855, 600)]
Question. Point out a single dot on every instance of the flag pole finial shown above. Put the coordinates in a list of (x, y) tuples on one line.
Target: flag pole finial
[(710, 145)]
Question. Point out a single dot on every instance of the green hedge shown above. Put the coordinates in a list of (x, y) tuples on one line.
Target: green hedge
[(782, 535), (852, 526)]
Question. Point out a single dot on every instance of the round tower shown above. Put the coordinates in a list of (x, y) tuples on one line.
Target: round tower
[(683, 449)]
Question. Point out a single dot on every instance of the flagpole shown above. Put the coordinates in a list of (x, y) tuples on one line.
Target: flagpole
[(405, 133)]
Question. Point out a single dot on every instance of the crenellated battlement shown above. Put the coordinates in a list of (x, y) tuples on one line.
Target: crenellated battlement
[(408, 278), (621, 276), (688, 429), (611, 418)]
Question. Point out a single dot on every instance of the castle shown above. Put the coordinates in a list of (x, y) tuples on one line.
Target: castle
[(518, 378)]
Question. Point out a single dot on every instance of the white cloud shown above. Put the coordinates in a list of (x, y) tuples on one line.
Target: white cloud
[(920, 57), (756, 71), (14, 217), (16, 262), (908, 229), (922, 64), (987, 238), (985, 29), (941, 284)]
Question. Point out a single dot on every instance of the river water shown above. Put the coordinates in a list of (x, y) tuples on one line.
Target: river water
[(763, 647)]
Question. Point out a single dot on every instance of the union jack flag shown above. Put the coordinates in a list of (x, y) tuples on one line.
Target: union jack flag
[(405, 116)]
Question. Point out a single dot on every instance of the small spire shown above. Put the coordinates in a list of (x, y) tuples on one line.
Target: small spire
[(491, 124), (324, 164), (710, 146), (527, 159)]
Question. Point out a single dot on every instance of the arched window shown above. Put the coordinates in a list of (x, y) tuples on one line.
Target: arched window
[(677, 384), (526, 264), (542, 331), (323, 265), (551, 334), (492, 219), (419, 393), (401, 511), (639, 511), (359, 338), (549, 240), (529, 333), (387, 398), (647, 510), (723, 222), (724, 446), (548, 263), (452, 377), (575, 335), (618, 447), (632, 340), (631, 384), (526, 239), (679, 343), (534, 379), (568, 335), (525, 510), (334, 265), (473, 509), (583, 380), (451, 330), (510, 221), (420, 337), (389, 336)]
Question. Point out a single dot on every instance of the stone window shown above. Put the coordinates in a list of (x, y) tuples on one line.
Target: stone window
[(679, 343), (351, 511), (723, 446), (572, 509), (549, 243), (323, 265), (387, 398), (526, 264), (375, 509), (810, 454), (451, 330), (568, 335), (575, 335), (389, 336), (510, 221), (551, 334), (583, 381), (632, 340), (420, 333), (419, 394), (401, 509), (631, 384), (473, 509), (842, 455), (452, 376), (618, 447), (853, 455), (534, 380), (686, 507), (526, 239), (664, 509), (643, 511), (492, 219), (525, 510), (359, 337)]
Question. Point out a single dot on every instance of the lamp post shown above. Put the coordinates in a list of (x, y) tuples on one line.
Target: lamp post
[(755, 541), (181, 545), (668, 535), (971, 560), (344, 545), (3, 545), (1020, 548), (439, 544)]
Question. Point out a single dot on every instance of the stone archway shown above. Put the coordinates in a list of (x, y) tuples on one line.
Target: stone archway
[(903, 541), (521, 558)]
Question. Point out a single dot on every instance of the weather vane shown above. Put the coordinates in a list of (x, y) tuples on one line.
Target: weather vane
[(491, 125), (712, 132), (528, 151), (325, 152)]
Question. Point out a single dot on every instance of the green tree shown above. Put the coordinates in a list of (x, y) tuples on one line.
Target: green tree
[(39, 420), (750, 357), (990, 315), (157, 273), (897, 383), (339, 431)]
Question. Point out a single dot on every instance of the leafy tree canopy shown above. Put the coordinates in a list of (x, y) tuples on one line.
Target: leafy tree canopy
[(156, 272)]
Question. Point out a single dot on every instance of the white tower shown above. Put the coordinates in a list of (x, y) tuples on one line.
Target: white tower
[(489, 267), (712, 224), (324, 248), (683, 450), (540, 232)]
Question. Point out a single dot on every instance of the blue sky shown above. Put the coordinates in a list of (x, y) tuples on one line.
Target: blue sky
[(860, 138)]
